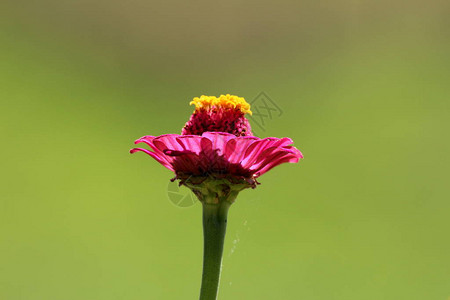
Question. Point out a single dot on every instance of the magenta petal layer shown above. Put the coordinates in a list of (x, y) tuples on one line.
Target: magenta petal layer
[(219, 153)]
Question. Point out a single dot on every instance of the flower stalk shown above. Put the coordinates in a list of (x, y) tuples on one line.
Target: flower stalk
[(216, 196), (214, 229)]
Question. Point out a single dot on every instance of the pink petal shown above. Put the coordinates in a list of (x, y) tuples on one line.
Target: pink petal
[(253, 151), (219, 140), (274, 156), (270, 155), (190, 143), (167, 141), (236, 148), (273, 164), (149, 141), (158, 158)]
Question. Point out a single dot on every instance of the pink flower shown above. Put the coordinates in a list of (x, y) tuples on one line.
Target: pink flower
[(217, 143)]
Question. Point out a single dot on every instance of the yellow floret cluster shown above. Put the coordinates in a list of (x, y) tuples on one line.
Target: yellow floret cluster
[(224, 101)]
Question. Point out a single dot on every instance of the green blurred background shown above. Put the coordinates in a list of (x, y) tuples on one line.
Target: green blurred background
[(364, 88)]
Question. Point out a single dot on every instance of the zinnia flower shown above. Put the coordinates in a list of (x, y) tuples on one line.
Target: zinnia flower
[(217, 156), (217, 142)]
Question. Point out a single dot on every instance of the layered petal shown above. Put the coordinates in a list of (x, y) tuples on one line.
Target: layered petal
[(219, 153)]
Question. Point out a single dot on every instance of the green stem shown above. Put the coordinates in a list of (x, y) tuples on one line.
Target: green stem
[(214, 228)]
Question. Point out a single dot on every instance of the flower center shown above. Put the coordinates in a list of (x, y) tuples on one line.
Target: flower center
[(220, 114)]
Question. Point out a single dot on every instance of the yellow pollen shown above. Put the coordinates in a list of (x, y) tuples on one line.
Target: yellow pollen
[(224, 101)]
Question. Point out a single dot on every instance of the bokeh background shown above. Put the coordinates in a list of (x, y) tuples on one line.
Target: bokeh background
[(364, 91)]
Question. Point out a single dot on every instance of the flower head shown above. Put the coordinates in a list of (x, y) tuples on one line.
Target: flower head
[(216, 148)]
